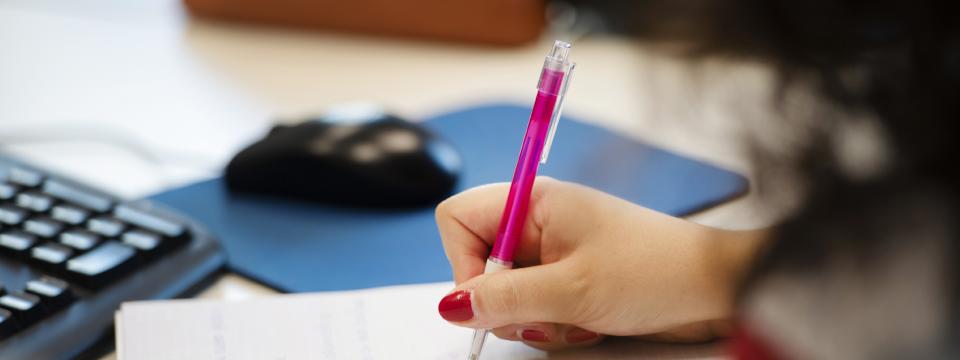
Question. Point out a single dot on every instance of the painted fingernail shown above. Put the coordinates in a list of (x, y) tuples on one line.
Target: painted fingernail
[(456, 306), (578, 335), (534, 335)]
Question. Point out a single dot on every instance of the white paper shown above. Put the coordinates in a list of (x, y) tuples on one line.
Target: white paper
[(385, 323)]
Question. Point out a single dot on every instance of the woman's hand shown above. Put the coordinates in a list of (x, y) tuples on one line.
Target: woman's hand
[(589, 264)]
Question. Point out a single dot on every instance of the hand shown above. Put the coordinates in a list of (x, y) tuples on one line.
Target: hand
[(589, 264)]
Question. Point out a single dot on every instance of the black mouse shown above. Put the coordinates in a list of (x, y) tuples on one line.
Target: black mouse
[(379, 161)]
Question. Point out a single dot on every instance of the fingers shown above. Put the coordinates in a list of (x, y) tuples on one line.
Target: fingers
[(468, 224), (576, 337), (466, 250), (509, 332), (547, 336), (543, 293)]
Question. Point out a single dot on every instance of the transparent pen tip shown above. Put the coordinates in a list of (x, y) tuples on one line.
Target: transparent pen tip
[(560, 51)]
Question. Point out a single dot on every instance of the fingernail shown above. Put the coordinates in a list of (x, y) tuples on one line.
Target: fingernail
[(456, 306), (534, 335), (578, 335)]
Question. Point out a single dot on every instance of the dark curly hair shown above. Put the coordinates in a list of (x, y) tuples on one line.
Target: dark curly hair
[(857, 239)]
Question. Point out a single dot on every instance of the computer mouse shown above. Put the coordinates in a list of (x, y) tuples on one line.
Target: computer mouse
[(361, 159)]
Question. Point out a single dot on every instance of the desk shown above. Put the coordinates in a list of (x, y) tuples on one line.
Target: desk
[(193, 92)]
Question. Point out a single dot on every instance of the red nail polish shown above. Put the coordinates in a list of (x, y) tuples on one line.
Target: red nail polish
[(534, 335), (456, 306), (578, 335)]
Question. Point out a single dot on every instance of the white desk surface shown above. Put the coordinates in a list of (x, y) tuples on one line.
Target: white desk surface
[(193, 92)]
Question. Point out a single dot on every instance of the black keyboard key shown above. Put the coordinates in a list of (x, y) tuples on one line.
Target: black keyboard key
[(8, 191), (142, 240), (12, 215), (25, 307), (101, 265), (106, 226), (8, 324), (69, 214), (80, 197), (25, 177), (34, 201), (148, 221), (79, 239), (16, 242), (51, 253), (80, 276), (54, 293), (43, 227)]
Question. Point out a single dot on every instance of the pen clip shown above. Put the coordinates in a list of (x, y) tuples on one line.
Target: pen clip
[(555, 118)]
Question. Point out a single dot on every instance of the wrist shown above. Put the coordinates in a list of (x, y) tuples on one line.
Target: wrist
[(732, 253)]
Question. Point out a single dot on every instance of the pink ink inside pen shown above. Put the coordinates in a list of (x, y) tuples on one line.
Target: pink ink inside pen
[(518, 199)]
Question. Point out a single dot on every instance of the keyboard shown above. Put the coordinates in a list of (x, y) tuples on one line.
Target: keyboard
[(70, 254)]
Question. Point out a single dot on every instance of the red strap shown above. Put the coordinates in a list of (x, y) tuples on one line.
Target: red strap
[(746, 345)]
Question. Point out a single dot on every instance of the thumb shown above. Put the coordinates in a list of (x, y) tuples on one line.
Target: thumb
[(543, 293)]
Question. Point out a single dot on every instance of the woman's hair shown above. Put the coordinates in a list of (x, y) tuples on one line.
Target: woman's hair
[(888, 70)]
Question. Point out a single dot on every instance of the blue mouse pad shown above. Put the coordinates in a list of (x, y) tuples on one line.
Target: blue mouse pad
[(298, 246)]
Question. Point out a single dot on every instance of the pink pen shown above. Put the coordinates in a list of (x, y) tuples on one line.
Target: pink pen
[(554, 80)]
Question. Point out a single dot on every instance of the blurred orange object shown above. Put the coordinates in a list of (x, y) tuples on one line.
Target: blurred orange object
[(505, 22)]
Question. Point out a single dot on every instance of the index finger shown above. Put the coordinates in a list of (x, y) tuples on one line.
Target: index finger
[(468, 225)]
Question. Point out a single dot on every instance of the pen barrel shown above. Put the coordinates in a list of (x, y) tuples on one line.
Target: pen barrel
[(515, 210), (551, 87)]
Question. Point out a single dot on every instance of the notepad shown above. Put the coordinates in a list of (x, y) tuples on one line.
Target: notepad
[(399, 322)]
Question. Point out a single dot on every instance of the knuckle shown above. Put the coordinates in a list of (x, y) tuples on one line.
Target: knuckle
[(443, 208), (544, 202), (545, 179)]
